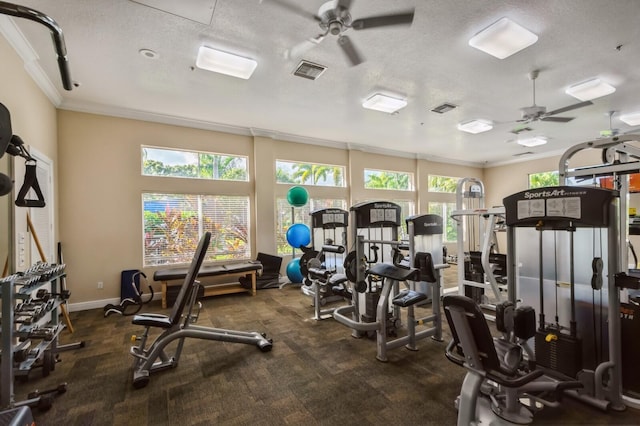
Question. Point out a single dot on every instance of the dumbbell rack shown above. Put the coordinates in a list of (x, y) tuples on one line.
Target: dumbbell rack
[(17, 336)]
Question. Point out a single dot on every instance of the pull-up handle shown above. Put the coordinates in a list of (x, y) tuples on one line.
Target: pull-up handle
[(56, 35), (30, 182)]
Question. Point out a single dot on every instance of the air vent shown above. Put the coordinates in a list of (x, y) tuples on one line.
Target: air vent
[(445, 107), (309, 70), (520, 130), (520, 154)]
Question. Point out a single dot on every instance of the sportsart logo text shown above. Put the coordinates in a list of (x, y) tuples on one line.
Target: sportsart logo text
[(550, 194)]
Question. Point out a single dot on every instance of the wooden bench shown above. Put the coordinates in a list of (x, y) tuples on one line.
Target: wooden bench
[(175, 276)]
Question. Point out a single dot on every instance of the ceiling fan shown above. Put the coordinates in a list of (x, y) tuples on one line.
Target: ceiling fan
[(539, 113), (611, 132), (334, 18)]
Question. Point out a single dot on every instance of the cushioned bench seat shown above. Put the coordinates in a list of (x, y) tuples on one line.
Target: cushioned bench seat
[(232, 271)]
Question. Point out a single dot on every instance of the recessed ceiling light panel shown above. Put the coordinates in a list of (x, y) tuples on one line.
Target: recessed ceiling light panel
[(225, 63), (530, 142), (632, 119), (384, 103), (503, 38), (475, 126), (590, 89)]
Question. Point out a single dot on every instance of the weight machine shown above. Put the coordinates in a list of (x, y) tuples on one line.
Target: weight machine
[(481, 269), (322, 264), (573, 226), (620, 158), (376, 282)]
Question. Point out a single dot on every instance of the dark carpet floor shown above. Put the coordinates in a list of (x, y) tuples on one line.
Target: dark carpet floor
[(316, 374)]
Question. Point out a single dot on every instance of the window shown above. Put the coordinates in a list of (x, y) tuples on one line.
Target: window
[(309, 174), (445, 210), (300, 215), (174, 223), (539, 180), (442, 184), (381, 179), (192, 164)]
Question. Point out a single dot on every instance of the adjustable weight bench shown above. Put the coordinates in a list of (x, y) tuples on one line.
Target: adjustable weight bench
[(179, 325)]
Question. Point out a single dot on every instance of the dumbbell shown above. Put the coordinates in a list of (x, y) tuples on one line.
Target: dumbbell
[(60, 389), (45, 295), (46, 333)]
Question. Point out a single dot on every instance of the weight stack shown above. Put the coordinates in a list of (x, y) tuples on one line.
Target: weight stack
[(371, 306), (563, 355)]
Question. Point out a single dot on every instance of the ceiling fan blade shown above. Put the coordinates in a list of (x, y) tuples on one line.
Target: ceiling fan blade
[(292, 7), (521, 128), (350, 50), (557, 119), (301, 48), (569, 108), (383, 21)]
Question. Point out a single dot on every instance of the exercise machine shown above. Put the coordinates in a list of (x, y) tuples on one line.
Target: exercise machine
[(501, 386), (179, 325), (577, 253), (322, 264), (376, 283), (481, 268), (374, 235), (620, 163)]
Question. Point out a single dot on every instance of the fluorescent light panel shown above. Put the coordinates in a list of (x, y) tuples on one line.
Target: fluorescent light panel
[(590, 89), (384, 103), (529, 142), (632, 119), (225, 63), (503, 38), (475, 126)]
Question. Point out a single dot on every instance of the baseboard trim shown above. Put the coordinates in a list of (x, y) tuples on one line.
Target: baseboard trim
[(99, 304)]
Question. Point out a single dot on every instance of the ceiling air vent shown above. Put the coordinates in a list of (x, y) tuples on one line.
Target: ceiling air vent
[(309, 70), (445, 107), (520, 154)]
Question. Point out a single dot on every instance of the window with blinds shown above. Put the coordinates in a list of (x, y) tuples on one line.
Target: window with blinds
[(451, 226), (174, 223)]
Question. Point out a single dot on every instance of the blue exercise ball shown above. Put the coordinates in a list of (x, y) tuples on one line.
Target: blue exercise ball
[(298, 235), (297, 196), (293, 271)]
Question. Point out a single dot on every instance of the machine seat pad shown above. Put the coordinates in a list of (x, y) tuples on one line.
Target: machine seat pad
[(393, 272), (207, 271), (152, 320), (338, 279), (408, 297)]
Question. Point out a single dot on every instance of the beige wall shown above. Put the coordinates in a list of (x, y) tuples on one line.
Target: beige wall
[(33, 118)]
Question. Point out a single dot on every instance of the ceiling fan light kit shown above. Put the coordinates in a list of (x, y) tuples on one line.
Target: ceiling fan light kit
[(531, 142), (475, 126), (384, 103), (590, 89), (503, 38), (631, 119), (225, 63)]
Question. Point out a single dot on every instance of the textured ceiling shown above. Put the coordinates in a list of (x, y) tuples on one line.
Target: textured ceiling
[(429, 63)]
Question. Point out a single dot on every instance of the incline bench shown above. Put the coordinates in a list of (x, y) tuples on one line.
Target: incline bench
[(234, 271)]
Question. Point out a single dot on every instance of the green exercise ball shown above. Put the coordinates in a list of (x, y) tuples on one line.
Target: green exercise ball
[(297, 196)]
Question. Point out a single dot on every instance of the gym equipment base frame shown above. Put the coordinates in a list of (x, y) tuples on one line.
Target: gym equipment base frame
[(178, 327)]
